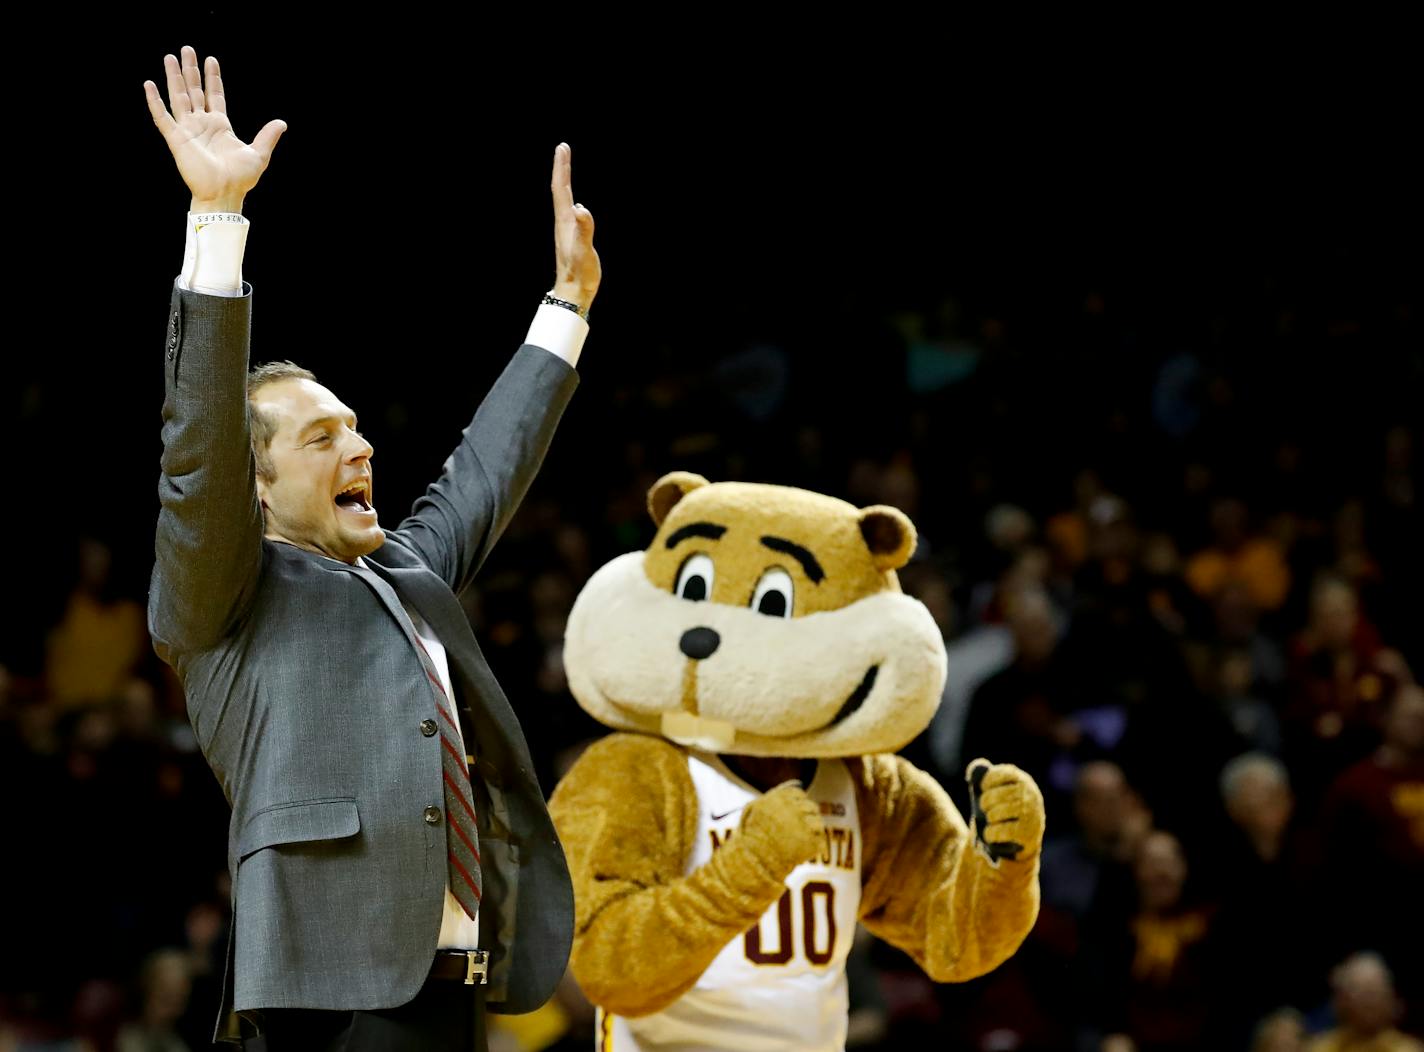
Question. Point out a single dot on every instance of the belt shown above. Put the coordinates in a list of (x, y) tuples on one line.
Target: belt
[(469, 966)]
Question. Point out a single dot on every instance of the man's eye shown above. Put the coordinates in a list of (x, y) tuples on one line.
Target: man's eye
[(320, 438)]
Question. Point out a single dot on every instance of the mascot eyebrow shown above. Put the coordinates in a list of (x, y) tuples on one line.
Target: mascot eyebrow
[(709, 530), (808, 561), (714, 532)]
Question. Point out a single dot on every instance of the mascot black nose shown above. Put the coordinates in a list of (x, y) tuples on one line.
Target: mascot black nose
[(699, 643)]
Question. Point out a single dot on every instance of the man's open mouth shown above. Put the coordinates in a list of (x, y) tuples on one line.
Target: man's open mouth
[(355, 497)]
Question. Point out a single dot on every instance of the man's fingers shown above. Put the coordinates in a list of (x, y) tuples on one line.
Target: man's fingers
[(193, 80), (157, 110), (266, 139), (217, 101), (178, 100), (562, 183)]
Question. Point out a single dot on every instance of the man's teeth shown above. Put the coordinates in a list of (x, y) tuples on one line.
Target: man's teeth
[(358, 491)]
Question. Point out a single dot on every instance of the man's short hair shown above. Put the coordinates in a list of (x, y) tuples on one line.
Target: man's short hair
[(263, 427)]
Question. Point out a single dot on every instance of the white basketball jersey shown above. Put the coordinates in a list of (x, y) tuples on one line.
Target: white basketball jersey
[(781, 985)]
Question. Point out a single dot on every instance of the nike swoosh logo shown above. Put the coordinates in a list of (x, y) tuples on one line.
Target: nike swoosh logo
[(724, 814)]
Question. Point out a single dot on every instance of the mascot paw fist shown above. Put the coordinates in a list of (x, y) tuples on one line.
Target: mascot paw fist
[(1007, 811), (784, 827)]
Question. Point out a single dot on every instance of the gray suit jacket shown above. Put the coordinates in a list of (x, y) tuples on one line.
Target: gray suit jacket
[(306, 691)]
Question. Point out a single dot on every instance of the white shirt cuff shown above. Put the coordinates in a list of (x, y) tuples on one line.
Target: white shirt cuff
[(559, 331), (212, 253)]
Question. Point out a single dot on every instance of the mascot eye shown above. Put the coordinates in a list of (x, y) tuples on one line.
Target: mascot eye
[(694, 580), (774, 593)]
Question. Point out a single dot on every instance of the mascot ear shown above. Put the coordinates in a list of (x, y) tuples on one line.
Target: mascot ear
[(670, 489), (888, 534)]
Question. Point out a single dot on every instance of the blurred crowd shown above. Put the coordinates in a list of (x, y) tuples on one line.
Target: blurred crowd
[(1178, 576)]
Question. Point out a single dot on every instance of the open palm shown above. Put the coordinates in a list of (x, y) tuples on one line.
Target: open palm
[(217, 166)]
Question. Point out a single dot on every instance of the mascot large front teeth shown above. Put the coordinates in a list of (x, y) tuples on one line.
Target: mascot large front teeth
[(762, 666)]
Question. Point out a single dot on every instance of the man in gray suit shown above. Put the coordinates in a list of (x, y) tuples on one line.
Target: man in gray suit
[(393, 865)]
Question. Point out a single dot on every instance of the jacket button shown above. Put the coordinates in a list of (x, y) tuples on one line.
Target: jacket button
[(428, 728), (432, 815)]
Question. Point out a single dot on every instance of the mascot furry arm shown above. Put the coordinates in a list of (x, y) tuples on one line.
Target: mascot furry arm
[(958, 900)]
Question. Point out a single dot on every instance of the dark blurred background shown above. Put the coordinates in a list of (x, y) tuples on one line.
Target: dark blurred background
[(1125, 317)]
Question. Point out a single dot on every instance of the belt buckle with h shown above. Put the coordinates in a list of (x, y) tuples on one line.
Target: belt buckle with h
[(476, 967)]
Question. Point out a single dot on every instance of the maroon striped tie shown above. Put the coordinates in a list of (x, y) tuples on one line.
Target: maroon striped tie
[(463, 840)]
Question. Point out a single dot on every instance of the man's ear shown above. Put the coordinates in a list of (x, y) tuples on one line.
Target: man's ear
[(888, 534), (670, 489), (262, 493)]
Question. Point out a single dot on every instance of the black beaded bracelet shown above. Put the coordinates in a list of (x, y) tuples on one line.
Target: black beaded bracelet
[(553, 300)]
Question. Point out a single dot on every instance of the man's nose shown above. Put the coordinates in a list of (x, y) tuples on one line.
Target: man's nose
[(360, 449)]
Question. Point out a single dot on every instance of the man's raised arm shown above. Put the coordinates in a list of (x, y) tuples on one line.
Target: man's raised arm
[(209, 540), (456, 523)]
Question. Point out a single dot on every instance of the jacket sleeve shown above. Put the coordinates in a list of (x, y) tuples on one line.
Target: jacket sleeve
[(208, 547), (456, 522), (926, 889)]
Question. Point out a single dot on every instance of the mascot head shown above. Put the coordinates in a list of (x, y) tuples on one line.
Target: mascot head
[(763, 621)]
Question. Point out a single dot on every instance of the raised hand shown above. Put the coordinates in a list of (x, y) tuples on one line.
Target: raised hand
[(218, 167), (1007, 811), (578, 270)]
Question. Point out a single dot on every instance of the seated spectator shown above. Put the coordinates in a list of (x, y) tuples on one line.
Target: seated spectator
[(1156, 971), (1255, 789), (1111, 824), (101, 638), (1251, 718), (1281, 1031), (1374, 844), (1169, 601), (1023, 712), (1264, 884), (1340, 671), (165, 984), (1067, 532), (1235, 555), (1366, 1010), (1236, 622), (973, 656)]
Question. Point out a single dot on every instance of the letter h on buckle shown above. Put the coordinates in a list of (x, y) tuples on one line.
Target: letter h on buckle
[(476, 964)]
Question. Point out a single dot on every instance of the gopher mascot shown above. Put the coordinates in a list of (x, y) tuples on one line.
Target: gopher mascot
[(765, 666)]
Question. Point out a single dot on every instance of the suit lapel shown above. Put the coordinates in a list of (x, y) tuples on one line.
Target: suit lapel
[(491, 724), (493, 721), (379, 584)]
